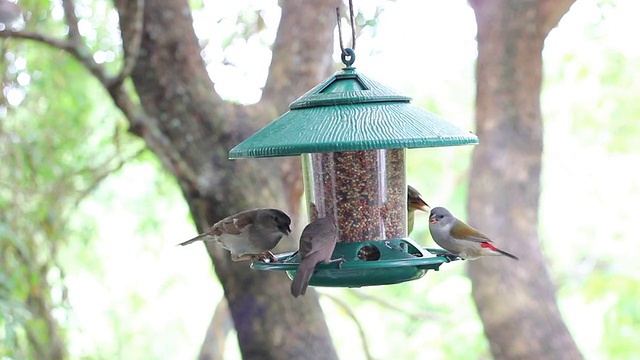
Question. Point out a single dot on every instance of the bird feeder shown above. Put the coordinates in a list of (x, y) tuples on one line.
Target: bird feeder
[(352, 133)]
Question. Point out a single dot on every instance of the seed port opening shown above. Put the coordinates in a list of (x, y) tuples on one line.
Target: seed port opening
[(369, 253)]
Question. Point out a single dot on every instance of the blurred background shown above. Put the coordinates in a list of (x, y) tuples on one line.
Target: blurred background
[(120, 288)]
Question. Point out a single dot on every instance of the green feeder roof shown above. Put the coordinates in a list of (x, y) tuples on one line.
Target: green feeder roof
[(349, 112)]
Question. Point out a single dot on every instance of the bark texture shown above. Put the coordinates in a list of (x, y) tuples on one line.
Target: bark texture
[(516, 300), (191, 130)]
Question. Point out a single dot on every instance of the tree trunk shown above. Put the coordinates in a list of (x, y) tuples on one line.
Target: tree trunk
[(191, 130), (516, 300)]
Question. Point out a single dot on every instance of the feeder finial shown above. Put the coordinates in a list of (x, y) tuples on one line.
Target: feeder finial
[(351, 55)]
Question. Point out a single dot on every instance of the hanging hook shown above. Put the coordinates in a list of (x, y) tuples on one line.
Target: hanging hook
[(347, 52)]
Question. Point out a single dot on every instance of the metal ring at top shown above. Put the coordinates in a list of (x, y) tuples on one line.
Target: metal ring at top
[(348, 52)]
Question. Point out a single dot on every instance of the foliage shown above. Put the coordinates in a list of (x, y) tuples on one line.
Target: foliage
[(56, 147)]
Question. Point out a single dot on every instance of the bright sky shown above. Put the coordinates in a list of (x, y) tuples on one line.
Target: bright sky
[(395, 47), (417, 43)]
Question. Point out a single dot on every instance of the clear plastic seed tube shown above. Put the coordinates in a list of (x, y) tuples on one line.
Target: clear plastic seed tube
[(364, 191)]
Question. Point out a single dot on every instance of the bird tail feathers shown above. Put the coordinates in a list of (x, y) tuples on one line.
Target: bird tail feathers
[(502, 252), (197, 238), (488, 245), (301, 281)]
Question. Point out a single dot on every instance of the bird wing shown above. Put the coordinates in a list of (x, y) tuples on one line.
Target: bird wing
[(306, 246), (319, 245), (228, 232), (479, 239), (316, 237), (232, 226), (469, 234)]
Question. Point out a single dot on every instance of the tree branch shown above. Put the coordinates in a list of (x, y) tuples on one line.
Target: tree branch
[(387, 305), (181, 104), (48, 40), (131, 47), (140, 124), (352, 315), (72, 22), (551, 11), (314, 33), (314, 22), (505, 196), (94, 68), (215, 339), (103, 174)]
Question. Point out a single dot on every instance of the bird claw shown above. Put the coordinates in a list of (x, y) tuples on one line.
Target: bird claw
[(339, 260), (449, 256), (267, 256)]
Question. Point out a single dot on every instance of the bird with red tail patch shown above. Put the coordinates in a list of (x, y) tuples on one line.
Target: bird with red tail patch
[(460, 239)]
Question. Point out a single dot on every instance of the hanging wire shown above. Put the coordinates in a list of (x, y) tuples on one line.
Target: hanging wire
[(342, 52), (353, 25), (353, 29)]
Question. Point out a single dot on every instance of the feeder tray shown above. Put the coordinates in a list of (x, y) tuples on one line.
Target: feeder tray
[(367, 263)]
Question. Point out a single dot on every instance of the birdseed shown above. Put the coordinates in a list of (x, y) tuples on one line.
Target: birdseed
[(365, 191)]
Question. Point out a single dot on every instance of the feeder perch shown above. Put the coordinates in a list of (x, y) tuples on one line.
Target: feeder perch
[(352, 133)]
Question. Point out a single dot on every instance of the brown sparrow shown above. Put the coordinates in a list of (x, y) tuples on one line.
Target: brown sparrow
[(248, 234), (317, 242)]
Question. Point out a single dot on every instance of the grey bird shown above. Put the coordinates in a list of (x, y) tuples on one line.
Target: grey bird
[(415, 201), (248, 234), (460, 239), (9, 12), (317, 242)]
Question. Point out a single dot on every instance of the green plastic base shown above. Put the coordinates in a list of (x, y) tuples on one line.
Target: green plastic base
[(367, 264)]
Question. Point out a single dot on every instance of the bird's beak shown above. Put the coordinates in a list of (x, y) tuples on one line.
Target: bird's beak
[(419, 204), (285, 230), (433, 220)]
